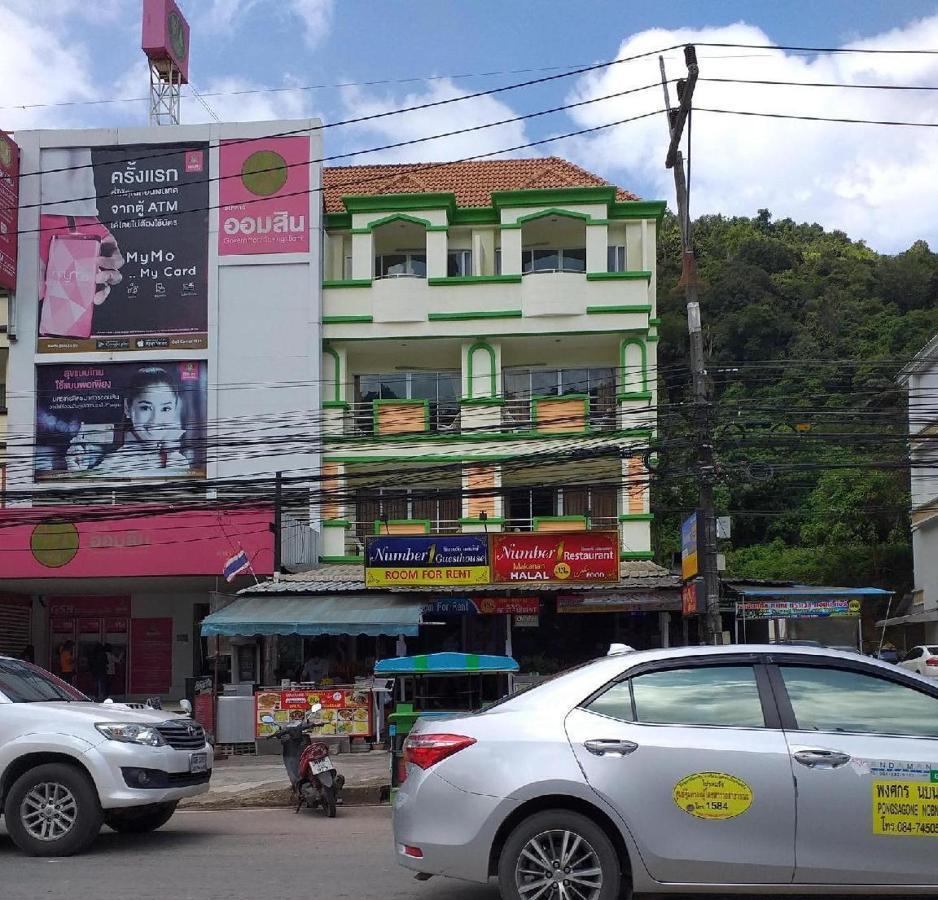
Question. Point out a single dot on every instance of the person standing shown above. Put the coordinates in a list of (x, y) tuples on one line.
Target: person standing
[(67, 662), (98, 667), (29, 654)]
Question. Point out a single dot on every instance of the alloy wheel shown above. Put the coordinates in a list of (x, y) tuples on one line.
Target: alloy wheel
[(49, 811), (558, 865)]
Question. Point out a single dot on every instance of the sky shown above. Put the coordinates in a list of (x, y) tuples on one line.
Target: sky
[(342, 59)]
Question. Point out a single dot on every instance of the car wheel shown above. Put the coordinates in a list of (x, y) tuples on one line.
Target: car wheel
[(139, 819), (53, 810), (559, 855)]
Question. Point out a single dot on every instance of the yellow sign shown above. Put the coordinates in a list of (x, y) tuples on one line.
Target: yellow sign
[(905, 809), (712, 795), (423, 576)]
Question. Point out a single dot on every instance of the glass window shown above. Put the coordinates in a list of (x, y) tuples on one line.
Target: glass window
[(459, 263), (615, 703), (615, 259), (838, 700), (724, 696), (574, 260), (543, 383), (390, 265), (22, 682), (574, 381), (498, 260), (347, 268), (914, 653)]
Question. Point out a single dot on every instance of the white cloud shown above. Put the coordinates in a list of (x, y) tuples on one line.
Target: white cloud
[(874, 182), (233, 106), (423, 123), (38, 66), (221, 16), (315, 16)]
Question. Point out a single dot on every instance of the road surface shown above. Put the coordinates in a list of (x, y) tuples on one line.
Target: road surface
[(269, 854)]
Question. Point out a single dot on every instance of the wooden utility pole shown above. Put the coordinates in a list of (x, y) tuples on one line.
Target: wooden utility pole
[(707, 531)]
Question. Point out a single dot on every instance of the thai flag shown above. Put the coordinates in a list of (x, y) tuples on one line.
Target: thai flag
[(236, 565)]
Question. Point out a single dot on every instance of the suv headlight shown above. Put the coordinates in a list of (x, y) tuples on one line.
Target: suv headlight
[(131, 733)]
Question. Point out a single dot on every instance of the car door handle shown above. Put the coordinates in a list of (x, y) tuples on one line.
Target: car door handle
[(610, 747), (817, 758)]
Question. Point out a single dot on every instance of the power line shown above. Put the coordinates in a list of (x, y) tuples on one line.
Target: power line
[(805, 118)]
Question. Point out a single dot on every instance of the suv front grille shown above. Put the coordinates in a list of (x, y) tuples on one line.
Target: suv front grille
[(182, 734)]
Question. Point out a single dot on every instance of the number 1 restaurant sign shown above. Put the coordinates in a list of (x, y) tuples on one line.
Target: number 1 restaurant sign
[(415, 560), (576, 556)]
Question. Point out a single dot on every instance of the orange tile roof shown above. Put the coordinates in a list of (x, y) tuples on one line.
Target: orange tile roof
[(472, 182)]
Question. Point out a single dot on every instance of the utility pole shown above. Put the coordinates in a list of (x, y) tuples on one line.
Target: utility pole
[(707, 531)]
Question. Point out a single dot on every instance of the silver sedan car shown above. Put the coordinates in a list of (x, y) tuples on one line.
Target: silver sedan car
[(751, 769)]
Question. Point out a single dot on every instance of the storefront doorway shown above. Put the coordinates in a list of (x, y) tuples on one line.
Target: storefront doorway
[(98, 629)]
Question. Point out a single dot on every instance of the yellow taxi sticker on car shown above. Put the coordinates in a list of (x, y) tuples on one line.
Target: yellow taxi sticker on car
[(712, 795), (905, 808)]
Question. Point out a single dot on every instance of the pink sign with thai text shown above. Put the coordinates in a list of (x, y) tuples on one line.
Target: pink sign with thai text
[(264, 196), (109, 541), (9, 203)]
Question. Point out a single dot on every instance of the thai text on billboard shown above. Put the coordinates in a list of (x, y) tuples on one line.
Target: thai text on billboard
[(264, 196), (121, 420), (124, 248), (839, 608), (9, 209), (457, 559), (578, 556)]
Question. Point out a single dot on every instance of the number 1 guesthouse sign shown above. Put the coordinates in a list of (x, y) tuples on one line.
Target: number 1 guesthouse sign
[(409, 560), (576, 556)]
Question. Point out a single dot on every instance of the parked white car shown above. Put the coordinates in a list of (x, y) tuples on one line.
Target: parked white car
[(68, 765), (923, 660)]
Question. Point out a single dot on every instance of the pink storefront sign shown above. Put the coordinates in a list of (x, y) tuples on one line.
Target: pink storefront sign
[(107, 542), (264, 196), (9, 210)]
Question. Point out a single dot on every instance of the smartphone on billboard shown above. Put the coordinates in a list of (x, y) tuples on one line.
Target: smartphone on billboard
[(70, 285)]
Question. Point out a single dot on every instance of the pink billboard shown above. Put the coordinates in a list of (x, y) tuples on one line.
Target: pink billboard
[(114, 541), (9, 203), (166, 34), (264, 196)]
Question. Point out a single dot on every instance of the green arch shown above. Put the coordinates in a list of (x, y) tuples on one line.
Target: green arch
[(567, 213), (399, 217), (643, 350), (337, 371), (493, 376)]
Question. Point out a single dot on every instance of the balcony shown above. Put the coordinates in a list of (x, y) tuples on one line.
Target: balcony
[(382, 418)]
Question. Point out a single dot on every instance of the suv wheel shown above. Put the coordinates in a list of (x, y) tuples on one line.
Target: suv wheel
[(53, 810), (139, 819), (559, 855)]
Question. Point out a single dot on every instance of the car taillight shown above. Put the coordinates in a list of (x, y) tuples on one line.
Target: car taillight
[(932, 661), (426, 750)]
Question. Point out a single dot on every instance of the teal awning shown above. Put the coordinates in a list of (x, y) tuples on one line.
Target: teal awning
[(314, 615), (445, 664)]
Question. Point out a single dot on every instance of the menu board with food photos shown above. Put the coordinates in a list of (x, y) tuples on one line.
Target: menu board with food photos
[(346, 711)]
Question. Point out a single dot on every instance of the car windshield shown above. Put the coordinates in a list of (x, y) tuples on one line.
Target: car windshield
[(22, 682)]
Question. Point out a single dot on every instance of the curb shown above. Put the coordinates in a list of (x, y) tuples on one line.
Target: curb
[(352, 795)]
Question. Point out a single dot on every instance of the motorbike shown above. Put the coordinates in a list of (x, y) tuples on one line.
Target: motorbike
[(313, 777)]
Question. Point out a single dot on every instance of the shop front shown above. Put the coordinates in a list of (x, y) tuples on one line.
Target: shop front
[(841, 617), (112, 597)]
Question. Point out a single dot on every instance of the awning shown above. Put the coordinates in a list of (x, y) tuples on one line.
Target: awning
[(929, 615), (445, 663), (315, 615), (804, 592)]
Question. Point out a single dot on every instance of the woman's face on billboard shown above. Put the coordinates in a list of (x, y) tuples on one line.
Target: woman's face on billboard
[(152, 411)]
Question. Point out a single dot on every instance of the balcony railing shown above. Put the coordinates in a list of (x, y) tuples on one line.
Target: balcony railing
[(388, 417), (558, 414)]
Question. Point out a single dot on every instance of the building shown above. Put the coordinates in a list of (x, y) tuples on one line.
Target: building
[(489, 366), (165, 366), (919, 623)]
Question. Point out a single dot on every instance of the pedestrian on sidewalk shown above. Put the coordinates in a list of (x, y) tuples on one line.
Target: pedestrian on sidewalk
[(98, 666)]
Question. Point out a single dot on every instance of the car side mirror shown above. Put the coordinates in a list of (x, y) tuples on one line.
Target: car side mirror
[(186, 707)]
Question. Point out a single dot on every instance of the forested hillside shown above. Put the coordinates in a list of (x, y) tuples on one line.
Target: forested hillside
[(805, 330)]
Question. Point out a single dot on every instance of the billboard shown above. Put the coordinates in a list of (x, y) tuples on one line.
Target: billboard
[(166, 34), (690, 565), (9, 208), (815, 608), (264, 196), (456, 559), (124, 248), (121, 420), (484, 606), (576, 556)]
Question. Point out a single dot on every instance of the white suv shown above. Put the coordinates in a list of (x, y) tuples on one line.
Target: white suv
[(68, 765)]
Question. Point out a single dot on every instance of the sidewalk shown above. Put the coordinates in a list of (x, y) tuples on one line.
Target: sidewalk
[(256, 781)]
